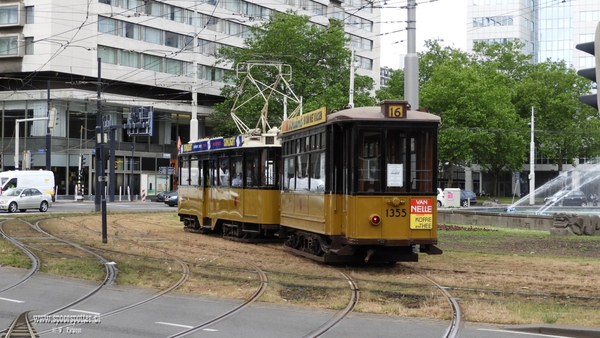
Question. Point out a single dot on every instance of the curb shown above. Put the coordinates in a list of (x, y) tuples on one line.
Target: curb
[(558, 330)]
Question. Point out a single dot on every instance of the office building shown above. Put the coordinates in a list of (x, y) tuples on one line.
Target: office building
[(549, 29), (67, 56)]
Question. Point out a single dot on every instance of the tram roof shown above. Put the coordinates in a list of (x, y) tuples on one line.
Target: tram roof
[(374, 113)]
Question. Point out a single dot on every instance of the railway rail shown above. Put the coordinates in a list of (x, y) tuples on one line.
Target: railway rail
[(35, 260)]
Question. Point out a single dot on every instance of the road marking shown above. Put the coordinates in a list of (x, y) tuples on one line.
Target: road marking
[(173, 324), (185, 326), (12, 300)]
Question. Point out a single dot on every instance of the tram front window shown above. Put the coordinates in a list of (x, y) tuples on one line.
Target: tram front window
[(395, 158), (369, 156)]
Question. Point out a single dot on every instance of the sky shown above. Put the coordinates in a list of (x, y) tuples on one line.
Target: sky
[(441, 19)]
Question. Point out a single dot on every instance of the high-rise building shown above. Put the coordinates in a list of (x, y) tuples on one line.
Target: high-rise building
[(550, 29), (139, 53)]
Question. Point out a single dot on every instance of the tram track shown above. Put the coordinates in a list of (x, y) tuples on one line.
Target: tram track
[(263, 280), (456, 321), (110, 271), (35, 260), (110, 277), (338, 317)]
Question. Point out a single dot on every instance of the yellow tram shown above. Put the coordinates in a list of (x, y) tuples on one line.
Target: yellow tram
[(231, 185), (353, 185), (360, 184)]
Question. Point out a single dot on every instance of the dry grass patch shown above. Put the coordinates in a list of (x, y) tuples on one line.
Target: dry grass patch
[(504, 277)]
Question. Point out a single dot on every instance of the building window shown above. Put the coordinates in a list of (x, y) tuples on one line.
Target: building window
[(152, 62), (29, 18), (9, 15), (107, 25), (28, 46), (130, 59), (132, 4), (153, 35), (175, 13), (9, 46), (172, 40), (130, 30), (154, 8), (174, 67), (107, 54)]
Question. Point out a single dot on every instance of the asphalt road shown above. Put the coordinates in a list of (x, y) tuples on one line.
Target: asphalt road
[(89, 206), (175, 313)]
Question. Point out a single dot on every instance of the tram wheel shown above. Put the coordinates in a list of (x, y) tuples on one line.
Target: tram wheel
[(293, 241), (315, 247)]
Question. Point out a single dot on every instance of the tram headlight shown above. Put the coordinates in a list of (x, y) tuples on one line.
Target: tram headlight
[(375, 219)]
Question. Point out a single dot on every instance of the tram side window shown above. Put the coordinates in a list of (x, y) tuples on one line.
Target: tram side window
[(195, 172), (213, 173), (369, 172), (421, 157), (289, 173), (223, 172), (251, 170), (396, 159), (184, 171), (302, 172), (317, 171), (237, 170), (269, 160)]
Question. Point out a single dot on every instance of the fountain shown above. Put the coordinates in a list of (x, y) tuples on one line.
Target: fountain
[(541, 216), (584, 178)]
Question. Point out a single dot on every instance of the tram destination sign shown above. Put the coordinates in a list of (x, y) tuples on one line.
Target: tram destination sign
[(213, 144), (306, 120)]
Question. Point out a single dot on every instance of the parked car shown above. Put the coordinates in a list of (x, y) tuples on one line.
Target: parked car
[(171, 198), (567, 197), (440, 197), (21, 199), (160, 197), (466, 196)]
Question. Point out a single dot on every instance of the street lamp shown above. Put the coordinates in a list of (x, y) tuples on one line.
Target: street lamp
[(131, 176), (532, 164)]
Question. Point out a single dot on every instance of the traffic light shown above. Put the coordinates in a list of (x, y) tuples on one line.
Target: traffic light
[(592, 47), (82, 161)]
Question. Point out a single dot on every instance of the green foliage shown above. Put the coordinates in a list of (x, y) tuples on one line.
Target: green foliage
[(320, 70), (395, 87), (485, 99), (564, 128)]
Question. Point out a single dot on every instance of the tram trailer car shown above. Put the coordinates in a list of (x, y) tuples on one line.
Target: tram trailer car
[(231, 185), (354, 185)]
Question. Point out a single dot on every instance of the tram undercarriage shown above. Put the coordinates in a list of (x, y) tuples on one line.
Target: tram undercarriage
[(339, 249), (234, 231)]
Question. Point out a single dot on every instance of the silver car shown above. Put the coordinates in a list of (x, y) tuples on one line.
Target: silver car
[(22, 199)]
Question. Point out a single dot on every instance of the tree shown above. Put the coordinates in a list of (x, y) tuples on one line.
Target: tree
[(479, 122), (564, 127), (320, 63), (395, 87)]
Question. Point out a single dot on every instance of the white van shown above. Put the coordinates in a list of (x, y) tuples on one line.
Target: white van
[(41, 179)]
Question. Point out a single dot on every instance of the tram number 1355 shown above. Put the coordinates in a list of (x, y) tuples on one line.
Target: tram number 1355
[(395, 212)]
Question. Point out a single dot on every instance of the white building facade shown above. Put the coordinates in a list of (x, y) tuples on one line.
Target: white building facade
[(143, 53)]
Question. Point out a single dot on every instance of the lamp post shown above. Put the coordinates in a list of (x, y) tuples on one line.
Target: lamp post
[(532, 163), (131, 176)]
